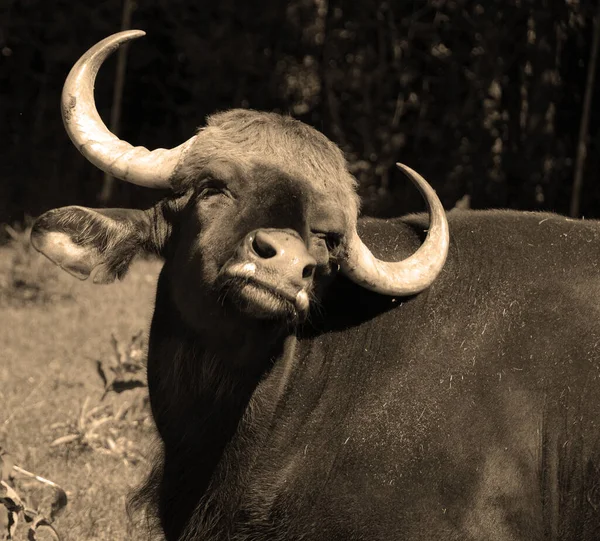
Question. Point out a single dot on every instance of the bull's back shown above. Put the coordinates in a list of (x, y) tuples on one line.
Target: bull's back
[(467, 412)]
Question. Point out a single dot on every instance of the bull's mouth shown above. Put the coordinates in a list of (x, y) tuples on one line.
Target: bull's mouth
[(263, 300)]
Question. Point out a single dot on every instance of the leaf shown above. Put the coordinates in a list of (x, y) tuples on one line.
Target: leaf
[(101, 373), (59, 503), (64, 439), (82, 415), (122, 411), (13, 522), (9, 497), (118, 352), (41, 522), (13, 504), (97, 409), (98, 423)]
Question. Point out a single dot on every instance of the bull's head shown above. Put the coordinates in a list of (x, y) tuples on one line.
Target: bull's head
[(263, 211)]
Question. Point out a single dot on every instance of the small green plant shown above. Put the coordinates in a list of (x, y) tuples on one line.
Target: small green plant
[(125, 371), (83, 431), (30, 278), (126, 368), (99, 429), (19, 509)]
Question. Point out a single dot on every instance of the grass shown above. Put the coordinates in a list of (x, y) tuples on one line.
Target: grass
[(28, 278), (50, 386)]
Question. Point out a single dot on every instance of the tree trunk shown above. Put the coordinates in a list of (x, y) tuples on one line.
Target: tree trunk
[(115, 114), (585, 118)]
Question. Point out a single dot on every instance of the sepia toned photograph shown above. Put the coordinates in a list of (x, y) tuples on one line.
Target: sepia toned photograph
[(304, 270)]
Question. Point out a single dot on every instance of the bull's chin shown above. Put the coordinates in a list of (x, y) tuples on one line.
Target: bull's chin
[(259, 301)]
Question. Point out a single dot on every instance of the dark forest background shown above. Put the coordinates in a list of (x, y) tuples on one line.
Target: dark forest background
[(485, 99)]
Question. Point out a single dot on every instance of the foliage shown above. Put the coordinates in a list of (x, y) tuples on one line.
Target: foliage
[(126, 369), (484, 98), (99, 428), (18, 508), (90, 431)]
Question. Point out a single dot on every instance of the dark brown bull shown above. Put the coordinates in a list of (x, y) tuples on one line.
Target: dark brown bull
[(296, 402)]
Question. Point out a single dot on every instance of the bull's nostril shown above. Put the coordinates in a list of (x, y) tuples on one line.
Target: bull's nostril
[(308, 271), (262, 247)]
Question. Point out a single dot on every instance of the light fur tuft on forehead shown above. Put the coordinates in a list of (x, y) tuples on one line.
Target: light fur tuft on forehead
[(251, 138)]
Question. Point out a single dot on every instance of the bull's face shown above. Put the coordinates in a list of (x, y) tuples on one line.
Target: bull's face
[(262, 216), (255, 240)]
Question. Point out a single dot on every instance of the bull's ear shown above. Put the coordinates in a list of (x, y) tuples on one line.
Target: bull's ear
[(82, 240)]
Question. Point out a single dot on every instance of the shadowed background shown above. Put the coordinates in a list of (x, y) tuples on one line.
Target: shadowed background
[(485, 99)]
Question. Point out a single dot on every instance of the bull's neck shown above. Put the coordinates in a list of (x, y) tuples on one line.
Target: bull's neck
[(203, 386), (217, 365)]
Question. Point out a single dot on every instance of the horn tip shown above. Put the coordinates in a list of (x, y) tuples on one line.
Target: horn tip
[(132, 34), (411, 173)]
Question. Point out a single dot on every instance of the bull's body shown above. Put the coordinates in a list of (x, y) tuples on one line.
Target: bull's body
[(306, 390), (467, 412)]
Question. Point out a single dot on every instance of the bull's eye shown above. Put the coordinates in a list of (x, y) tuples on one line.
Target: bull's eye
[(212, 190), (331, 240)]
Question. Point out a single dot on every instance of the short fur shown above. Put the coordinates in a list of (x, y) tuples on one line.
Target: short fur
[(467, 412), (251, 137)]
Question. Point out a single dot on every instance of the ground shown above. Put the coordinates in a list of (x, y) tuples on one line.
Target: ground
[(48, 356)]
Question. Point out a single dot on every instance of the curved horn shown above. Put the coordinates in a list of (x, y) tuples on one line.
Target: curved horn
[(95, 141), (410, 275)]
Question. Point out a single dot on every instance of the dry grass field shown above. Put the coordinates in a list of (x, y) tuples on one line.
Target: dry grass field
[(49, 353)]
